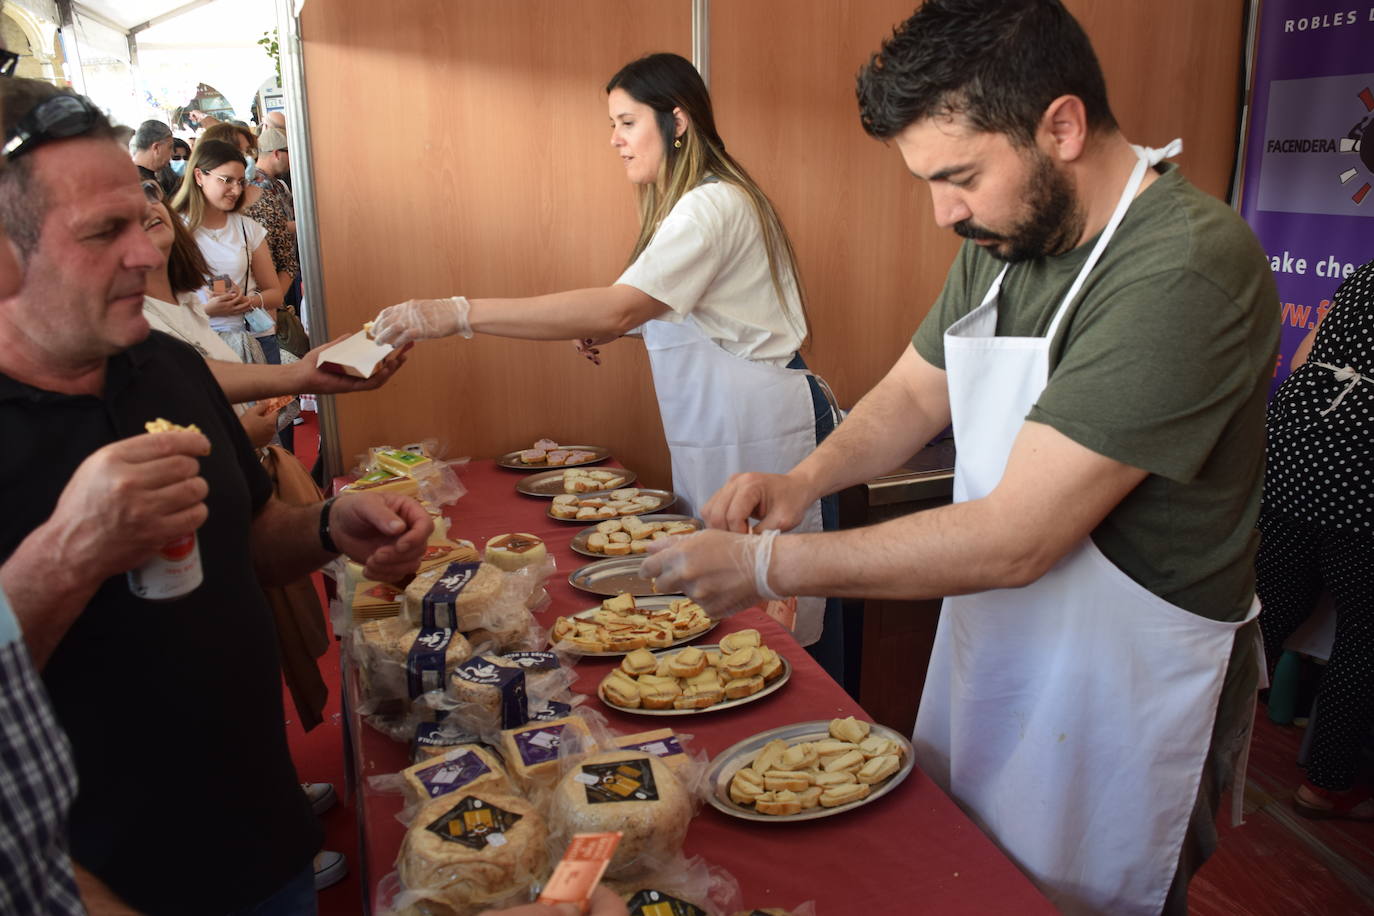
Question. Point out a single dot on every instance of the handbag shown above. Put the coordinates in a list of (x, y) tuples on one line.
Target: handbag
[(291, 334)]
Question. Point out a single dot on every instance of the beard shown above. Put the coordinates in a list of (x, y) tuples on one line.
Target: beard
[(1052, 225)]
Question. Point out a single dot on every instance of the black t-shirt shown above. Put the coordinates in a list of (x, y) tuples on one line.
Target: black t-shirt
[(145, 174), (188, 800)]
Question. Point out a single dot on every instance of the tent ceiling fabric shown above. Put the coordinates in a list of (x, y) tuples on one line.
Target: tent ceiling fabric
[(220, 23)]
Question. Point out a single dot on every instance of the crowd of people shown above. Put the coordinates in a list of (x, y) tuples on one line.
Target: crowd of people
[(1104, 521)]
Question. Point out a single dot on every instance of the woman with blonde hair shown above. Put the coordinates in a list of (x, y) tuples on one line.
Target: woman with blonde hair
[(244, 291), (712, 285)]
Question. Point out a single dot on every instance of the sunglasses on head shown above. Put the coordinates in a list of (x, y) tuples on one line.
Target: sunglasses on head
[(56, 118)]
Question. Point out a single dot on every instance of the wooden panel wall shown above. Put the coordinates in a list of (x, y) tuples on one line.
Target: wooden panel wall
[(461, 146)]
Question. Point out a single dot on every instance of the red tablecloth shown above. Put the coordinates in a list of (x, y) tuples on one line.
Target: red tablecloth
[(912, 851)]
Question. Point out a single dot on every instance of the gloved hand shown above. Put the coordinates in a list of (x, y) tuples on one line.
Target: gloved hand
[(721, 571), (422, 319)]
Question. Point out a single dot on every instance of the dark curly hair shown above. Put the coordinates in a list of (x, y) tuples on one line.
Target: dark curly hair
[(997, 63)]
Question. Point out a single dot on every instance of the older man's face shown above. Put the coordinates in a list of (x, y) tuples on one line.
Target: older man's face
[(162, 153), (82, 293)]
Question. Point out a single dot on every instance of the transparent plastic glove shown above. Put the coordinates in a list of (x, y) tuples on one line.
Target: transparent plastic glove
[(721, 571), (422, 319)]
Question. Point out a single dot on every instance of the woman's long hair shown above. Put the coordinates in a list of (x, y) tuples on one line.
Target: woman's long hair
[(186, 267), (668, 81), (189, 200)]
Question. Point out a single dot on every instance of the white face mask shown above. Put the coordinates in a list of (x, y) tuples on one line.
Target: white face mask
[(178, 166), (252, 168)]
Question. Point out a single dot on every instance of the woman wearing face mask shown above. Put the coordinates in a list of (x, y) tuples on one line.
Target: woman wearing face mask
[(712, 281), (169, 176), (235, 250)]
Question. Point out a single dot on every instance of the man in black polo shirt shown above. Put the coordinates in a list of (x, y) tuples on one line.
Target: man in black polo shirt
[(152, 148), (188, 802)]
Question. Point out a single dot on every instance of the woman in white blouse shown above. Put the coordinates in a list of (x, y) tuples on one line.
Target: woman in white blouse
[(712, 286), (245, 291)]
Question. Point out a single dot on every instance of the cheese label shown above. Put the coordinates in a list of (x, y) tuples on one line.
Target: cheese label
[(554, 710), (440, 605), (534, 661), (455, 770), (510, 681), (539, 745), (425, 661), (657, 903), (404, 459), (474, 823), (434, 735), (624, 781), (663, 747)]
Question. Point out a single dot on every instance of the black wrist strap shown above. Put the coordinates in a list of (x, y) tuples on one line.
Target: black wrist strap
[(326, 540)]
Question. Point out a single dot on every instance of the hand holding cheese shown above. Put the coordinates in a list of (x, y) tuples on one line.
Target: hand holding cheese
[(422, 319), (312, 378), (385, 532), (721, 571), (127, 500)]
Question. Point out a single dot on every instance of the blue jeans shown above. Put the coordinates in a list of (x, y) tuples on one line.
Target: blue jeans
[(271, 349), (295, 898)]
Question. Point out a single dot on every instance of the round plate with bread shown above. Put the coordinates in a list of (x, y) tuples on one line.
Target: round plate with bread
[(695, 679), (599, 507), (596, 482), (808, 770), (565, 456), (635, 532), (655, 621)]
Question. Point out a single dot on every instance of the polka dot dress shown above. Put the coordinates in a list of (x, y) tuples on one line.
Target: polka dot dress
[(1320, 467), (1317, 527)]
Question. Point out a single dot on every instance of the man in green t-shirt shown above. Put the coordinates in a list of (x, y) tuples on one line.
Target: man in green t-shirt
[(1106, 376)]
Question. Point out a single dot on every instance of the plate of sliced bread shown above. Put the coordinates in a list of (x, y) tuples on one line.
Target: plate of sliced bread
[(624, 623), (808, 770), (549, 454), (619, 537), (575, 481), (696, 679), (599, 507)]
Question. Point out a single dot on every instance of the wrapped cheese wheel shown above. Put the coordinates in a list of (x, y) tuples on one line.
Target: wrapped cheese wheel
[(531, 752), (398, 660), (630, 791), (469, 850), (467, 766), (515, 551), (490, 693), (458, 595)]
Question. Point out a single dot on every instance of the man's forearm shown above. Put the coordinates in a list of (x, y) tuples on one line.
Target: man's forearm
[(98, 899), (286, 542), (45, 594), (253, 382)]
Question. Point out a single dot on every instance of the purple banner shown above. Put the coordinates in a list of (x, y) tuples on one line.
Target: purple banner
[(1308, 189)]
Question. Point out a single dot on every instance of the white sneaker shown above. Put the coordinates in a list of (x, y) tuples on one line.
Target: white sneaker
[(321, 794), (330, 868)]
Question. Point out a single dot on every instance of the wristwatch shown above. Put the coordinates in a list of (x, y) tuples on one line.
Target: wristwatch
[(326, 540)]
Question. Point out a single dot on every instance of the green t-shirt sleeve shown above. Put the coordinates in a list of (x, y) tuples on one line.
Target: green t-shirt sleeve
[(953, 303), (1152, 375)]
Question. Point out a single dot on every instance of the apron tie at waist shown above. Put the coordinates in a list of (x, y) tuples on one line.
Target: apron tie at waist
[(1343, 374)]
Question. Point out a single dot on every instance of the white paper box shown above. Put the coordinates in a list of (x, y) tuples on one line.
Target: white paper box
[(357, 356)]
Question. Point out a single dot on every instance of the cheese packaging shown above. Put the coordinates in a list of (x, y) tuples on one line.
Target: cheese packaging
[(460, 595), (627, 791), (463, 767), (398, 461), (435, 739), (470, 850), (662, 743), (531, 752), (490, 692), (372, 600), (358, 356), (399, 661), (384, 482), (515, 551)]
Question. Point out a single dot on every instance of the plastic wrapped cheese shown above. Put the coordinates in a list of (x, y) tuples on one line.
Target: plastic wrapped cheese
[(630, 791), (471, 850), (532, 751), (400, 661), (461, 768)]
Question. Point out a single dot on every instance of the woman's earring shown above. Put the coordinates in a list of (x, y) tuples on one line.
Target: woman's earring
[(677, 144)]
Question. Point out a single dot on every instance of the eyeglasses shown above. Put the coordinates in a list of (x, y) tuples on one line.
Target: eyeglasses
[(230, 182), (55, 118), (152, 190), (9, 61)]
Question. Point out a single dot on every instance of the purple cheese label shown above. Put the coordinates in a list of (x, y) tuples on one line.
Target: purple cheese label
[(539, 745), (510, 681), (663, 747), (440, 605), (534, 661), (425, 661), (449, 775), (554, 710)]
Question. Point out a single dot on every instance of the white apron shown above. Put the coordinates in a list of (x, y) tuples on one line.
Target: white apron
[(1070, 718), (724, 415)]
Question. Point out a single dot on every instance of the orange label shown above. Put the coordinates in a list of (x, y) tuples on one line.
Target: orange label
[(580, 870)]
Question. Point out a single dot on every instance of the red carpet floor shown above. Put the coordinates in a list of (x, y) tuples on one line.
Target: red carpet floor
[(1275, 864)]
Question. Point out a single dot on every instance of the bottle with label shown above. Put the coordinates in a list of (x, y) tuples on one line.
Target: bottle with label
[(173, 571)]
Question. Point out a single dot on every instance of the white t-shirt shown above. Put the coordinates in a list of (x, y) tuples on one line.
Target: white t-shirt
[(229, 251), (708, 260)]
